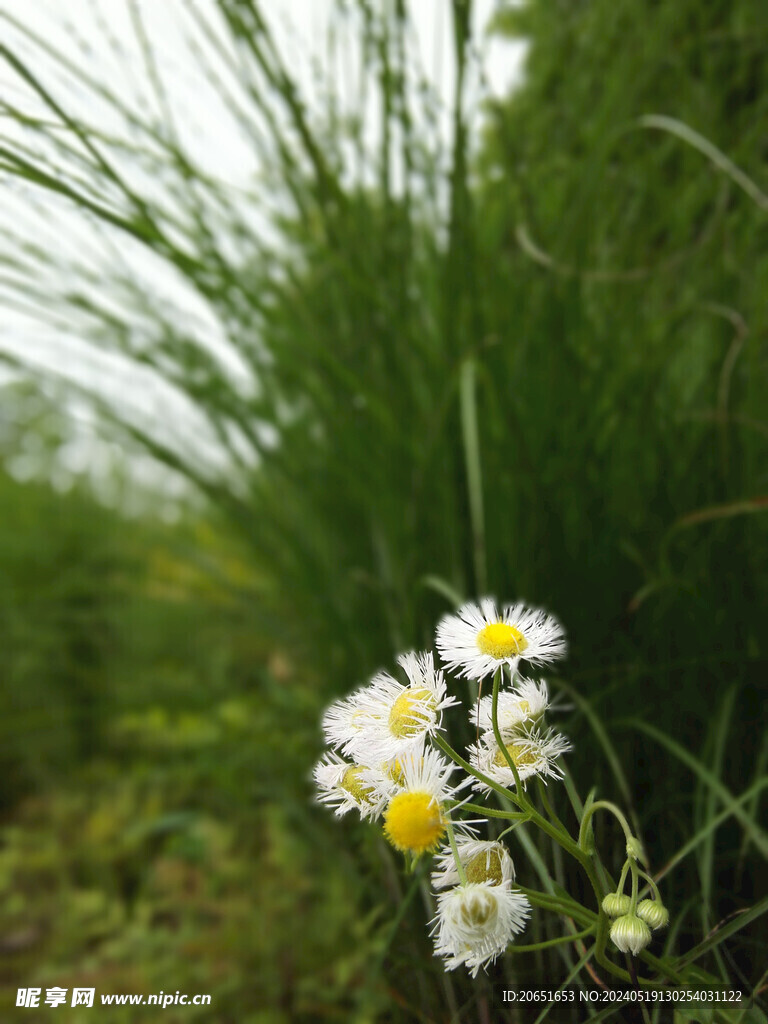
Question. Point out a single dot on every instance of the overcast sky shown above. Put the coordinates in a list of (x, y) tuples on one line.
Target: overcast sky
[(113, 54)]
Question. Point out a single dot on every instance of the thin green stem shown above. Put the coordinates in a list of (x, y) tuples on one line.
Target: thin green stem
[(456, 756), (633, 897), (397, 919), (557, 905), (452, 840), (567, 844), (488, 812), (604, 805), (559, 941), (623, 877), (650, 881), (548, 807), (499, 740), (663, 967), (511, 828)]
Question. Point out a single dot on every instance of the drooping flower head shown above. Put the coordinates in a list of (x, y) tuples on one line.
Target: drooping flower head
[(479, 639), (391, 720), (616, 904), (342, 721), (654, 913), (533, 753), (346, 786), (482, 861), (517, 709), (630, 934), (384, 720), (476, 922)]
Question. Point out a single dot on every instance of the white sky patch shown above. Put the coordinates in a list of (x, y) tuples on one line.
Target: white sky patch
[(155, 60)]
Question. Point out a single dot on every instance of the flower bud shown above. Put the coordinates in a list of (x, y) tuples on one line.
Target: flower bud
[(635, 849), (654, 914), (615, 904), (630, 934)]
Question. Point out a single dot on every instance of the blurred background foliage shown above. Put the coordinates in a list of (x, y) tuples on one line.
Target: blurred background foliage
[(534, 367)]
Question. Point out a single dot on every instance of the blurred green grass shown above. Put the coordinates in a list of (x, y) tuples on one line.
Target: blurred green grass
[(158, 831)]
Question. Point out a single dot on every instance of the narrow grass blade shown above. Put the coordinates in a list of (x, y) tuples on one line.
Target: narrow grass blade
[(756, 834), (718, 935), (709, 150), (710, 828), (605, 742), (577, 967)]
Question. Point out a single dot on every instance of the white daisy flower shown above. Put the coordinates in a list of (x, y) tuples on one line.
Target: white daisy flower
[(479, 638), (346, 786), (520, 708), (476, 922), (415, 817), (391, 720), (342, 721), (533, 753), (482, 860)]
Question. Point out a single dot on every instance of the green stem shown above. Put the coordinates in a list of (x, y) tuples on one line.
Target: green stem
[(452, 840), (488, 812), (548, 807), (559, 905), (397, 919), (633, 897), (604, 805), (663, 967), (622, 879), (650, 881), (522, 799), (456, 756), (560, 940)]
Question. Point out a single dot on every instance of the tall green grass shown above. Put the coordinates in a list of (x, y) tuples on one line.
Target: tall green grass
[(537, 371)]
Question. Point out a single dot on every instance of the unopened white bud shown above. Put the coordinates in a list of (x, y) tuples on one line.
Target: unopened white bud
[(615, 904), (630, 934), (635, 849), (654, 914)]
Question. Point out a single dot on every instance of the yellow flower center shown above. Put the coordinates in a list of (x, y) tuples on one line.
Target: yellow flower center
[(523, 756), (500, 640), (394, 771), (414, 822), (354, 785), (524, 706), (484, 867), (479, 910), (407, 718)]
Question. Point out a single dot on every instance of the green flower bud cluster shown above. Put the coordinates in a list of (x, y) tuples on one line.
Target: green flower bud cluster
[(631, 929)]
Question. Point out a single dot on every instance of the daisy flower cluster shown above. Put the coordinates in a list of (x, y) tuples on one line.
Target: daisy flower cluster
[(389, 759), (386, 760)]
